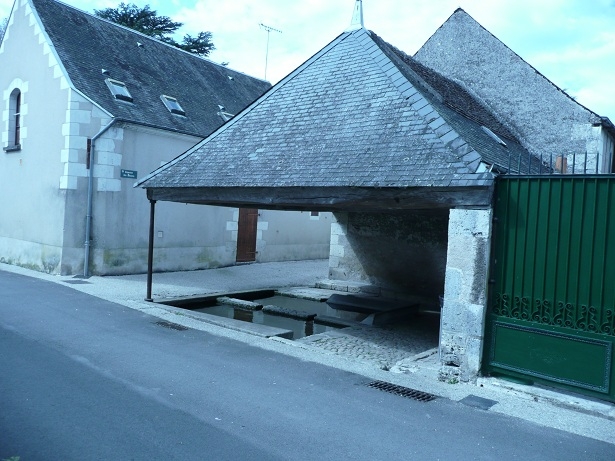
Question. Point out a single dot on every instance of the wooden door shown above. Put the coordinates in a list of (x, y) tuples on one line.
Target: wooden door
[(246, 235)]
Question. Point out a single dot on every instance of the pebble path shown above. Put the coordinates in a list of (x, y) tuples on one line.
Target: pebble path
[(382, 346)]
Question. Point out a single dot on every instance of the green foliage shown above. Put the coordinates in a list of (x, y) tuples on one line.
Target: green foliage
[(148, 22), (201, 44), (144, 20)]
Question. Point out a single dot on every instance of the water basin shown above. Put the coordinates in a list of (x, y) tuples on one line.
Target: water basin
[(300, 328)]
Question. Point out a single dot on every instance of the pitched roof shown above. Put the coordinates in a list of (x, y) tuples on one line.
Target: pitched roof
[(465, 113), (359, 114), (87, 44), (531, 105)]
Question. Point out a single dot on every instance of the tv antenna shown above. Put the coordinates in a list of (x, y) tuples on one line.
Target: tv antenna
[(269, 29)]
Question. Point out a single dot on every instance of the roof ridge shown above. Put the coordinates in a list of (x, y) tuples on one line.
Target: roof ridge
[(461, 137), (468, 157), (500, 127), (274, 89)]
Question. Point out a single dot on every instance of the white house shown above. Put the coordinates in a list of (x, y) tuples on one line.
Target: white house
[(87, 107)]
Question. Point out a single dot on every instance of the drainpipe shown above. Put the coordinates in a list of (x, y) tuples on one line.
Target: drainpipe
[(88, 218)]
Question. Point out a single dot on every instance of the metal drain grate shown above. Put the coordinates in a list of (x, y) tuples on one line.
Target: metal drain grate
[(402, 391), (172, 326)]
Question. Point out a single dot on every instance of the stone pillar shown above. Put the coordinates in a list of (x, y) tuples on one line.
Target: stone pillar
[(340, 250), (462, 328)]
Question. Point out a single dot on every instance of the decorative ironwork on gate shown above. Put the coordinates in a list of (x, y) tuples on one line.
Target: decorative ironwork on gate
[(566, 315)]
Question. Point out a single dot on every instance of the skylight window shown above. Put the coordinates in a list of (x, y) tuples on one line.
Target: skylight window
[(226, 116), (118, 89), (173, 105), (493, 136)]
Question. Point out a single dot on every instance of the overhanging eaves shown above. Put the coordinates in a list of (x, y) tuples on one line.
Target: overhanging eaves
[(330, 198)]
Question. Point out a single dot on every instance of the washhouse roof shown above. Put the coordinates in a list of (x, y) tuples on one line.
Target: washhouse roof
[(99, 56), (360, 125)]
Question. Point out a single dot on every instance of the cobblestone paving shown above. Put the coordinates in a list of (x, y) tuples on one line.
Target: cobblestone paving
[(382, 346)]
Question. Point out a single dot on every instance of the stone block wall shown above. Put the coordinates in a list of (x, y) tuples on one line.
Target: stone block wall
[(465, 294), (401, 254)]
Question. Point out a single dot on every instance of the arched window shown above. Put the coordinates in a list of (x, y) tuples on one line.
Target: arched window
[(14, 120), (14, 112)]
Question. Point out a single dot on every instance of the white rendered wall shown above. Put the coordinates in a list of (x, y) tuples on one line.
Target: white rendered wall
[(292, 235), (32, 209)]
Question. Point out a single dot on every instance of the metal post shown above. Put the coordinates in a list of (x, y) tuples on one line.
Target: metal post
[(529, 163), (150, 251), (519, 165), (267, 53), (269, 29)]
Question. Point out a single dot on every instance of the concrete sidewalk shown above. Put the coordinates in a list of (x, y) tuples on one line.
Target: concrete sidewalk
[(379, 354)]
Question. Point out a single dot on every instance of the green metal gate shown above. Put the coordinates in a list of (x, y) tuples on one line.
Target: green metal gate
[(552, 294)]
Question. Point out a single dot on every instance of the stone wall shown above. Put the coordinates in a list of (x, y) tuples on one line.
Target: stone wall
[(401, 255), (424, 256), (462, 325)]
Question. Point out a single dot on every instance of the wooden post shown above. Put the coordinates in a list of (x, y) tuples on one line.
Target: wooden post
[(150, 251)]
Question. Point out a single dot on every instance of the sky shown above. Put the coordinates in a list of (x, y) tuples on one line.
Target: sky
[(571, 42)]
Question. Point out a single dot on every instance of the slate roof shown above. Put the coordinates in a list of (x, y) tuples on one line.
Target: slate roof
[(338, 120), (87, 44), (465, 113), (359, 114)]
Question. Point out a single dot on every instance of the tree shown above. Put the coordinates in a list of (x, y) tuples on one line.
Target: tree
[(147, 21), (3, 25)]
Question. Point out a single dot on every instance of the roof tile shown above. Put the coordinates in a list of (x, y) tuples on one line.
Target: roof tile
[(340, 120), (85, 44)]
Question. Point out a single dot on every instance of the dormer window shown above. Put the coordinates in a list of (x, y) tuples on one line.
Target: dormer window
[(173, 105), (118, 90), (493, 136)]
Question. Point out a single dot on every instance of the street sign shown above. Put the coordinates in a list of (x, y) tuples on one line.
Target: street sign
[(132, 174)]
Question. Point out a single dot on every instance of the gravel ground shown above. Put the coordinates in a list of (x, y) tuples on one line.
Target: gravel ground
[(383, 347)]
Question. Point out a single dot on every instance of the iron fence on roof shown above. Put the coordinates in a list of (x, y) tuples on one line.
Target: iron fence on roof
[(587, 163)]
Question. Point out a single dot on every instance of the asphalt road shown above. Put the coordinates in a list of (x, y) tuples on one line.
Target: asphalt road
[(86, 379)]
